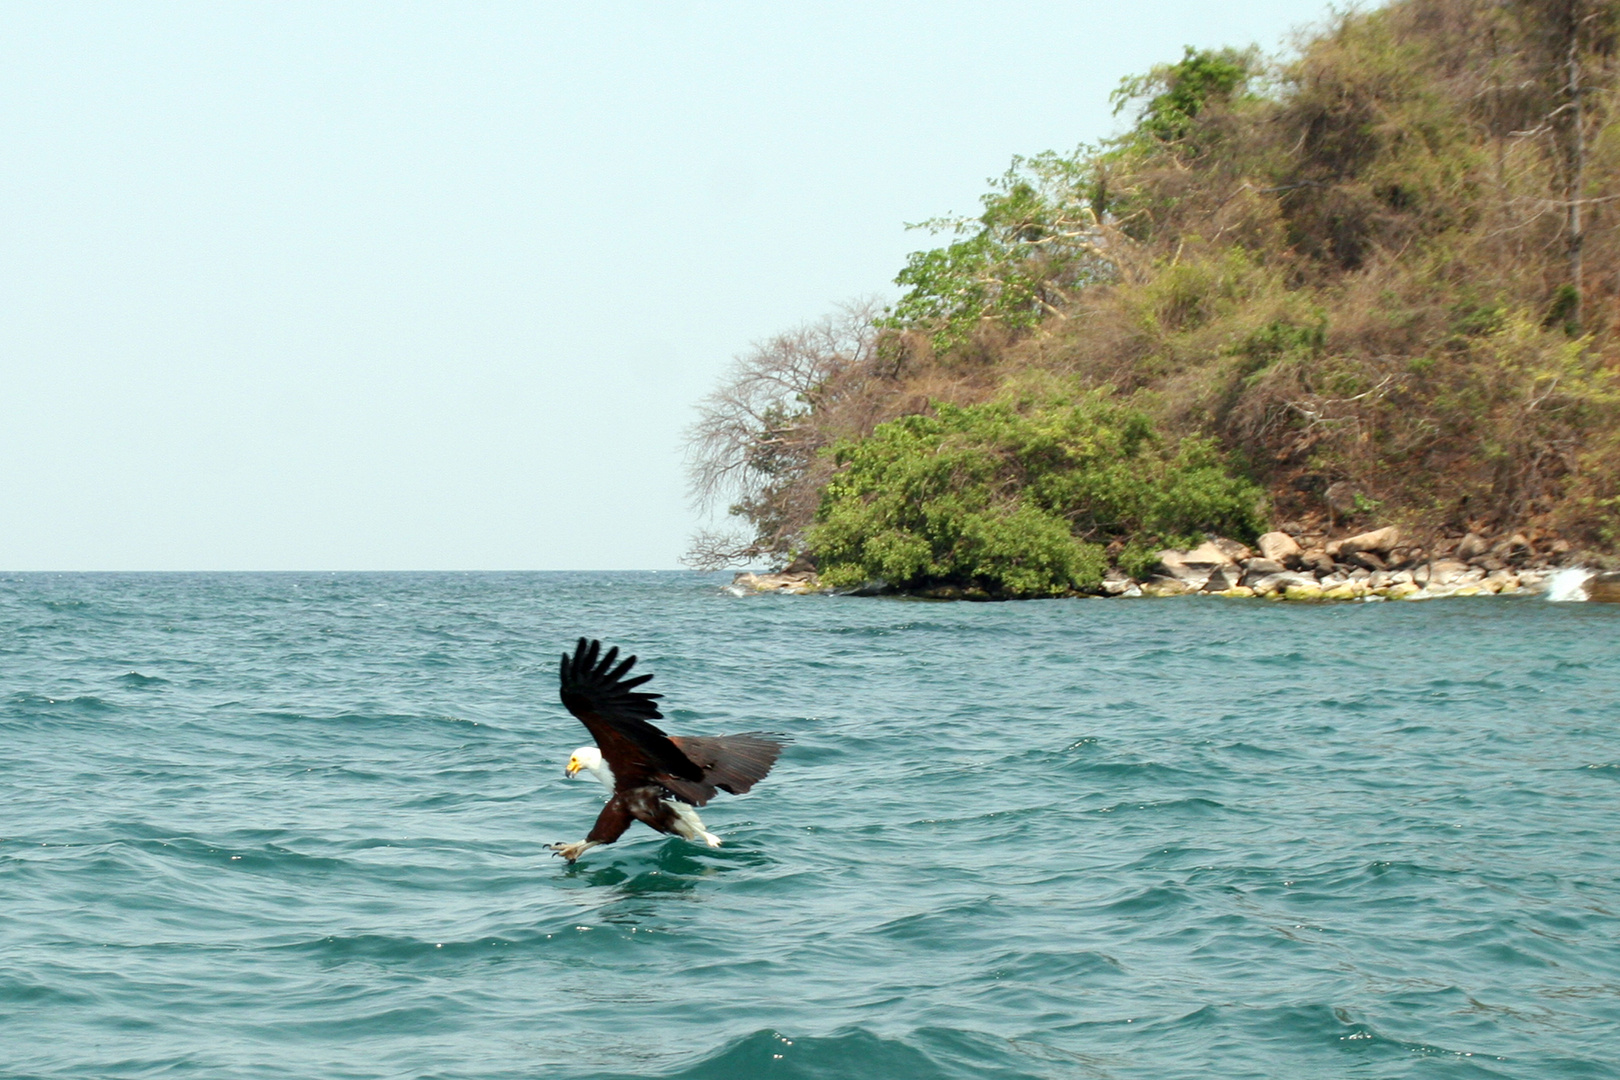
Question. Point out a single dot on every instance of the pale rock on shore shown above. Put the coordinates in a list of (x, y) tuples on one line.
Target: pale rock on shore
[(797, 582), (1372, 565)]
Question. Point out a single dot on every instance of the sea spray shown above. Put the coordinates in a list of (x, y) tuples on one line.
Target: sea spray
[(1568, 585)]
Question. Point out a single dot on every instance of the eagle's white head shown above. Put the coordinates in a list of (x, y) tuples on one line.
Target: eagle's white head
[(589, 759)]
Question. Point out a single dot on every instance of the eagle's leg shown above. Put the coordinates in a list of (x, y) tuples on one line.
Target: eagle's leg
[(684, 822), (610, 825)]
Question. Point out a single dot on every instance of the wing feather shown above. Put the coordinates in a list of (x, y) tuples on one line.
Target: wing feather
[(733, 763), (618, 717)]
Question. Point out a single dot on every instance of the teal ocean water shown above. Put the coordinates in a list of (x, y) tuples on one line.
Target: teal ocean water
[(293, 825)]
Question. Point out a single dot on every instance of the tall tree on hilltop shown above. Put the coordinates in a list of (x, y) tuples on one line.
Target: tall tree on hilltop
[(1570, 43)]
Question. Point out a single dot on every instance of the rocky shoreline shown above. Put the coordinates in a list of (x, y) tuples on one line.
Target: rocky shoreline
[(1291, 564)]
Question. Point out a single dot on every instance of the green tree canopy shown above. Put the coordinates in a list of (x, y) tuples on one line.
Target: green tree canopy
[(1020, 498), (1172, 95), (1017, 262)]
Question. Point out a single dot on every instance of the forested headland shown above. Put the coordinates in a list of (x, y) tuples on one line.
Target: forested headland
[(1374, 282)]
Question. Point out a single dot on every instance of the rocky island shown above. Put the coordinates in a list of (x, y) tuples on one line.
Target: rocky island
[(1336, 325)]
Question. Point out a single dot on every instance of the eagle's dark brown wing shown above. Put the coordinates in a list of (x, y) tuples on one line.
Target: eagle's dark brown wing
[(732, 763), (617, 714)]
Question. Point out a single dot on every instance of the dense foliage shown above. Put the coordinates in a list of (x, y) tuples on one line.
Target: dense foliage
[(1383, 274), (1036, 243), (1020, 500)]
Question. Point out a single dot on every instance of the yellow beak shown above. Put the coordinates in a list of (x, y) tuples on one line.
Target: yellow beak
[(573, 767)]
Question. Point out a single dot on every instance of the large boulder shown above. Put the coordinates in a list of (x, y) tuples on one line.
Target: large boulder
[(1259, 568), (1316, 561), (1279, 547), (1117, 583), (1442, 572), (1176, 566), (1448, 577), (1604, 587), (1405, 556), (1232, 549), (1516, 550), (1211, 553), (1213, 566), (1162, 585), (1378, 541), (1471, 547), (1267, 584), (798, 582), (1367, 560)]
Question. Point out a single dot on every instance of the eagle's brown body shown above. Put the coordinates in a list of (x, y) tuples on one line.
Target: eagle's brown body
[(656, 778)]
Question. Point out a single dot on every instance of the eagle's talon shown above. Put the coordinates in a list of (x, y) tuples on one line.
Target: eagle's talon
[(571, 852)]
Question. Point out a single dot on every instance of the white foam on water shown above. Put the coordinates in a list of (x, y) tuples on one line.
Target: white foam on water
[(1566, 586)]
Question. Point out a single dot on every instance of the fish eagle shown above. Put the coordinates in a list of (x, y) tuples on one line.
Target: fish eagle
[(654, 777)]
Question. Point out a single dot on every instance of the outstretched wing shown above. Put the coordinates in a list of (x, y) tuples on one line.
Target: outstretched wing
[(732, 763), (617, 714)]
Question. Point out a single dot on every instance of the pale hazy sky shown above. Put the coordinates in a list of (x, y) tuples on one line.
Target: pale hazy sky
[(437, 286)]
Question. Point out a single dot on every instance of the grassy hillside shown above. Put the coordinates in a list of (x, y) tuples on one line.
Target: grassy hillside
[(1380, 280)]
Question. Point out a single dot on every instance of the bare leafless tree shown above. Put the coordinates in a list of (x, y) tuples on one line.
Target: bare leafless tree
[(755, 447)]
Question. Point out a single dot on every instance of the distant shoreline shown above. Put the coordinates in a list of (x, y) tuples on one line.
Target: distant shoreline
[(1296, 566)]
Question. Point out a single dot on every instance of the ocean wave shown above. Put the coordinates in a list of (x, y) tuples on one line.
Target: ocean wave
[(927, 1054), (139, 681), (1002, 844), (28, 704)]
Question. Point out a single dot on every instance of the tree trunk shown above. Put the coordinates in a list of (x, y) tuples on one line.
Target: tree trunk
[(1575, 149), (1565, 36)]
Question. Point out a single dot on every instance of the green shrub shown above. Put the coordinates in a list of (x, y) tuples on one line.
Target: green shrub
[(1171, 96), (1018, 499)]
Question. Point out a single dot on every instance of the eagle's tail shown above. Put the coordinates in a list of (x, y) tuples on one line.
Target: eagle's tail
[(733, 763)]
